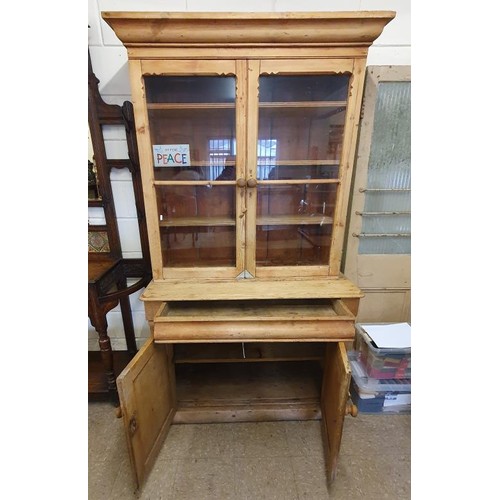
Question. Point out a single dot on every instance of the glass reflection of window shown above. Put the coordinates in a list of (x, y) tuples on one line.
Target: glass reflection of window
[(219, 150), (266, 157)]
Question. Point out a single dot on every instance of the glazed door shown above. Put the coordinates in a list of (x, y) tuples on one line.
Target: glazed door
[(147, 397), (334, 395), (192, 149), (302, 118)]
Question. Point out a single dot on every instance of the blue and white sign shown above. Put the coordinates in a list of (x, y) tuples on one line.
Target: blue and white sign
[(171, 155)]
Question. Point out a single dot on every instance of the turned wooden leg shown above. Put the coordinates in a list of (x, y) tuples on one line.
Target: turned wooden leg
[(107, 361), (97, 315)]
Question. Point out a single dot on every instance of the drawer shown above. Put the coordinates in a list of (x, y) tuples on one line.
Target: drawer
[(254, 320)]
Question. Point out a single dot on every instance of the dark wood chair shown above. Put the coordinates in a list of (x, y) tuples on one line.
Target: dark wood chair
[(108, 271)]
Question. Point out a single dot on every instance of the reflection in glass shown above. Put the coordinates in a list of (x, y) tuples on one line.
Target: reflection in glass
[(310, 200), (293, 245), (303, 118), (198, 111), (201, 202), (197, 246)]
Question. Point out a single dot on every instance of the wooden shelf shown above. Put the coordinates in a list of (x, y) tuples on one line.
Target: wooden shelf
[(231, 105), (304, 104), (305, 163), (292, 220), (198, 221), (248, 352), (291, 163), (192, 105)]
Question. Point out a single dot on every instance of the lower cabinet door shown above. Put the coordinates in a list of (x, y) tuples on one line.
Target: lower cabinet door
[(147, 397), (334, 395)]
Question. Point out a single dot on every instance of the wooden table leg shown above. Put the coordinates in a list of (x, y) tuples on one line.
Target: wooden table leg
[(97, 315), (128, 323)]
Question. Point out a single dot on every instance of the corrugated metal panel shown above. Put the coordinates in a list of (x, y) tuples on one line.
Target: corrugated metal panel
[(389, 168)]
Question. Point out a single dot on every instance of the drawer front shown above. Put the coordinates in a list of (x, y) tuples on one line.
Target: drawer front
[(235, 321)]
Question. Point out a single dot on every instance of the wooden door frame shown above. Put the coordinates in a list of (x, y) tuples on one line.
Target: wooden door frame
[(350, 266), (140, 68)]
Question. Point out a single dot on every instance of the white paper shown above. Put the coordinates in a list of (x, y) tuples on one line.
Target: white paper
[(171, 155), (391, 336), (397, 399)]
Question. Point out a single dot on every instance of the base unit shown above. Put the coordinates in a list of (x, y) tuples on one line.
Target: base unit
[(292, 382)]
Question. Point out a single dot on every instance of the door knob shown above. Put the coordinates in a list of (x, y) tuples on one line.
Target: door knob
[(251, 183), (351, 409), (241, 182)]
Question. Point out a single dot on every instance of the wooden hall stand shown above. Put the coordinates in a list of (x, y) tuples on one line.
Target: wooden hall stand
[(247, 128), (107, 269)]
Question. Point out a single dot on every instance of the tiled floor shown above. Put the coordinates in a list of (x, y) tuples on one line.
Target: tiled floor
[(257, 461)]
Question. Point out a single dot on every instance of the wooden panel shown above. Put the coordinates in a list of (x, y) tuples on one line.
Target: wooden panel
[(146, 162), (250, 289), (292, 66), (241, 161), (147, 398), (151, 308), (377, 271), (166, 67), (347, 164), (385, 306), (251, 164), (242, 392), (245, 52), (334, 394), (275, 331)]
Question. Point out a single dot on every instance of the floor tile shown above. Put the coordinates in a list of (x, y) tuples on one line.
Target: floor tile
[(304, 438), (372, 476), (310, 477), (160, 483), (265, 479), (376, 433), (260, 439), (204, 479)]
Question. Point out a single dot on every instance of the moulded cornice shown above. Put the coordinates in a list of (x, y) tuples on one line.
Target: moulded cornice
[(150, 29)]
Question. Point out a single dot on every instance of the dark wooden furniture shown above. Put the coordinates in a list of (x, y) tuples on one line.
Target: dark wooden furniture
[(107, 269)]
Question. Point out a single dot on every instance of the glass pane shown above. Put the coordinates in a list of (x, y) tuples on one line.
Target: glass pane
[(303, 88), (303, 118), (192, 121), (198, 246), (294, 224), (194, 204), (389, 173), (190, 89), (292, 245), (314, 201)]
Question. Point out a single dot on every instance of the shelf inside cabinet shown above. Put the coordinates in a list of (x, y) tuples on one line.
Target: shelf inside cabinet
[(248, 352), (304, 104), (198, 222), (191, 105), (293, 220)]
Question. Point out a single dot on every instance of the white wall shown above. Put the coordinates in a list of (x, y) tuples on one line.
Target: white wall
[(109, 61)]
